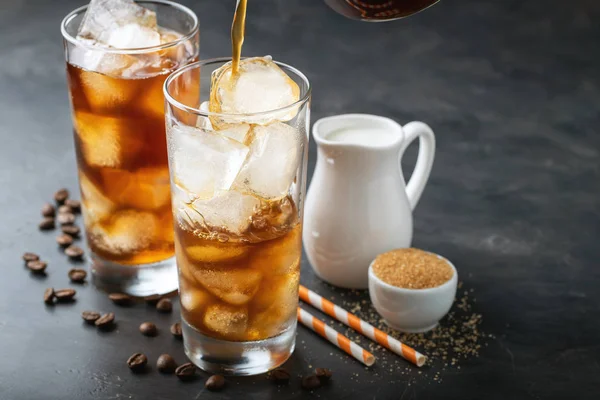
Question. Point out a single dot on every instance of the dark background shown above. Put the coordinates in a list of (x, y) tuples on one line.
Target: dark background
[(512, 90)]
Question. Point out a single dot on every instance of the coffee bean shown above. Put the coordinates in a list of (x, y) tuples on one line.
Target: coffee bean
[(148, 329), (66, 218), (311, 382), (90, 316), (279, 376), (137, 362), (324, 374), (166, 364), (37, 267), (49, 296), (47, 224), (74, 205), (30, 257), (152, 299), (176, 330), (48, 210), (65, 295), (105, 320), (215, 383), (71, 230), (64, 240), (121, 299), (74, 252), (64, 209), (186, 371), (61, 195), (164, 305), (77, 275)]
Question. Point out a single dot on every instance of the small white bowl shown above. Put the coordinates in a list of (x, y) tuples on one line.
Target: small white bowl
[(412, 310)]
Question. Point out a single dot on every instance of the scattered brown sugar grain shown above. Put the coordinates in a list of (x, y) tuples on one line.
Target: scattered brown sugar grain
[(412, 269)]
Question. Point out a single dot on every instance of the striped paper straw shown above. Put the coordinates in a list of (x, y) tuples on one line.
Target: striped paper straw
[(351, 320), (335, 337)]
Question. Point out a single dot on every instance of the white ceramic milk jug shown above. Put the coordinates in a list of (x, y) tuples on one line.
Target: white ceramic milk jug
[(358, 204)]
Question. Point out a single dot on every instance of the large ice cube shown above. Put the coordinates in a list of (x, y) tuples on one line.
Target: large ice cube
[(230, 210), (133, 36), (274, 306), (278, 291), (231, 322), (95, 58), (193, 299), (126, 231), (203, 162), (145, 189), (119, 23), (179, 53), (216, 253), (234, 286), (106, 94), (204, 122), (278, 256), (237, 132), (96, 206), (259, 86), (271, 166), (106, 141)]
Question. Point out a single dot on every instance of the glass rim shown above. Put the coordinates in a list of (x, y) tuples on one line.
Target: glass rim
[(141, 50), (193, 110)]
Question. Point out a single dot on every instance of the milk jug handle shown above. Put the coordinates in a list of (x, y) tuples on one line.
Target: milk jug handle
[(420, 175)]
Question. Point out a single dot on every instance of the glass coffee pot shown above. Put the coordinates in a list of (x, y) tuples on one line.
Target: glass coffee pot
[(379, 10)]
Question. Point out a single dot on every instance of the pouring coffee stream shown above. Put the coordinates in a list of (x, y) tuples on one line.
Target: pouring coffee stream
[(237, 34)]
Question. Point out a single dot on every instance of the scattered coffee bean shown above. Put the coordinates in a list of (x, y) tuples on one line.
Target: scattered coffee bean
[(49, 296), (324, 374), (105, 320), (164, 305), (65, 295), (176, 330), (66, 218), (148, 329), (311, 382), (166, 364), (48, 210), (64, 209), (215, 383), (47, 224), (186, 371), (280, 376), (71, 230), (30, 257), (90, 316), (74, 205), (64, 240), (37, 266), (137, 362), (61, 195), (74, 252), (121, 299), (152, 299), (77, 275)]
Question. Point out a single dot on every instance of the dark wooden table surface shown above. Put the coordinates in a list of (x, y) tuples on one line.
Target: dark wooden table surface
[(511, 89)]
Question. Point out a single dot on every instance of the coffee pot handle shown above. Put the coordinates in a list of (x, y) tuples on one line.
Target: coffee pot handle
[(420, 175)]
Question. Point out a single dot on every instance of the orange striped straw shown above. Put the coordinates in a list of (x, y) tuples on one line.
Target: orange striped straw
[(335, 337), (351, 320)]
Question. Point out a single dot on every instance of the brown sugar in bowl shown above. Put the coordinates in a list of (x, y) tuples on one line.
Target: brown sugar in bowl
[(412, 289)]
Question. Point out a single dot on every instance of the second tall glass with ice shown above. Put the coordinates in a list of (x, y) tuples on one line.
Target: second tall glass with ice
[(237, 155), (118, 55)]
